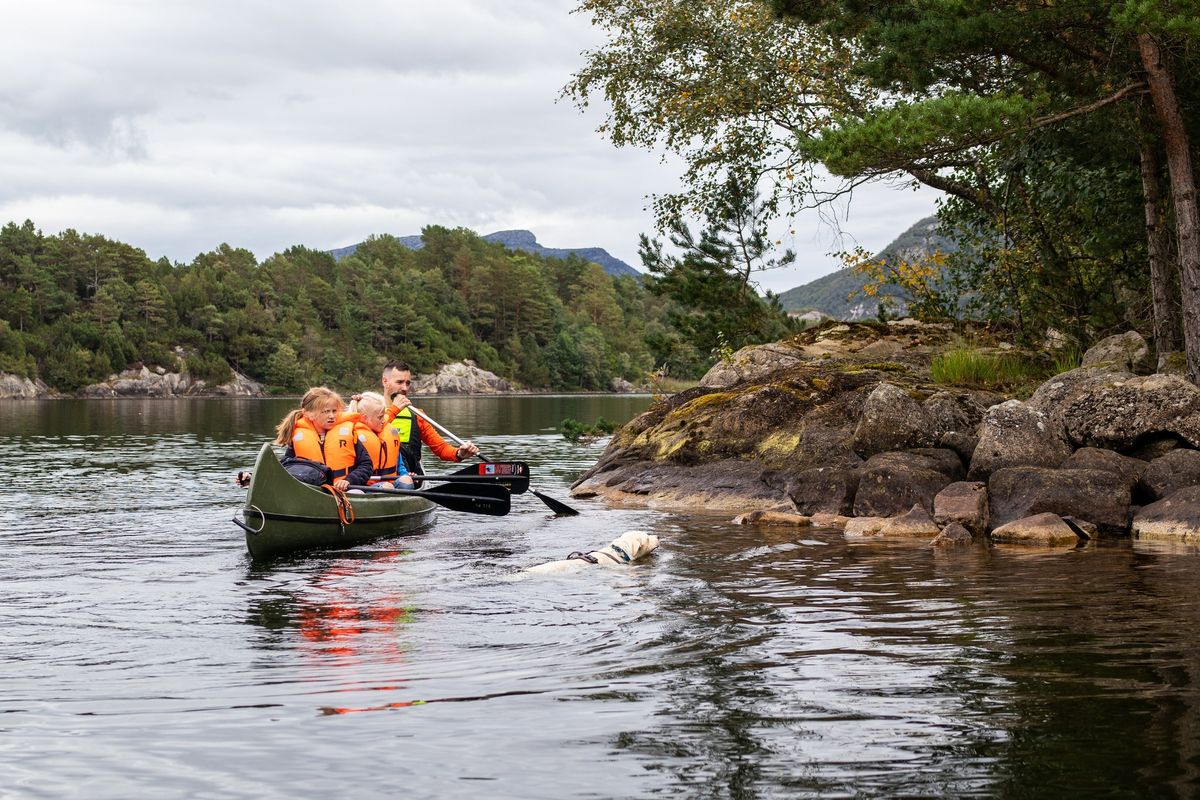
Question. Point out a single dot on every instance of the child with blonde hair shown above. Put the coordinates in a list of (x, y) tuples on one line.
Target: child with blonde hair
[(369, 413), (321, 446)]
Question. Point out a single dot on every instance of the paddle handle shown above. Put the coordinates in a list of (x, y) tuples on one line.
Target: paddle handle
[(445, 431)]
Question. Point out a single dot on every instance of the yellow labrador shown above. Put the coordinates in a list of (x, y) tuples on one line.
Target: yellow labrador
[(625, 549)]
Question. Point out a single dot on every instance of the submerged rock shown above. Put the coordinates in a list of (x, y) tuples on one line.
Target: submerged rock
[(1047, 530), (1175, 518)]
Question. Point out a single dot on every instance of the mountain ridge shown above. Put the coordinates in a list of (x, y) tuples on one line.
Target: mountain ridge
[(525, 241), (831, 294)]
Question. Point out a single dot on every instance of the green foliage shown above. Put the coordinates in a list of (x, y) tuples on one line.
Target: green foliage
[(578, 432), (979, 369), (75, 308)]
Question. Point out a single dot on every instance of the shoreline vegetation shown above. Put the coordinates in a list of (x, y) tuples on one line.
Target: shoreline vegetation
[(85, 315)]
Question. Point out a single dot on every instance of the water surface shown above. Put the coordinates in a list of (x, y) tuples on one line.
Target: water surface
[(143, 655)]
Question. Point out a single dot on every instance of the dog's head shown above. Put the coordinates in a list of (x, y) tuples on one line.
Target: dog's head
[(636, 543)]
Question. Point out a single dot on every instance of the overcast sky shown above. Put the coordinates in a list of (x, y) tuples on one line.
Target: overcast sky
[(177, 126)]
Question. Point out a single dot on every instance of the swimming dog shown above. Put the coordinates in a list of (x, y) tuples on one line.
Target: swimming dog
[(625, 549)]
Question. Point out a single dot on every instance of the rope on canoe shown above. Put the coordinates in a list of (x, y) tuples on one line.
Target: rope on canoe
[(344, 509)]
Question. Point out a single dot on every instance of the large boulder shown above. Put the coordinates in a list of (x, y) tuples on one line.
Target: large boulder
[(1130, 469), (1119, 414), (891, 483), (1017, 434), (461, 377), (1045, 530), (1124, 351), (1167, 474), (955, 419), (1175, 518), (818, 489), (751, 363), (891, 420), (963, 503), (1098, 496), (14, 387)]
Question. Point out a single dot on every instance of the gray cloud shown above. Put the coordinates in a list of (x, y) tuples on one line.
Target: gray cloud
[(176, 127)]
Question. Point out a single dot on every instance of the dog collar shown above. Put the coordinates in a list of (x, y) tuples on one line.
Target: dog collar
[(624, 555)]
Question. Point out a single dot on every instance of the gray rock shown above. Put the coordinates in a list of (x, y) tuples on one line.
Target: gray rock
[(1125, 351), (1175, 518), (1047, 530), (751, 363), (1130, 469), (732, 485), (1170, 473), (963, 503), (891, 483), (953, 535), (1117, 414), (1017, 434), (819, 489), (913, 524), (461, 377), (17, 388), (891, 420), (621, 386), (1099, 496)]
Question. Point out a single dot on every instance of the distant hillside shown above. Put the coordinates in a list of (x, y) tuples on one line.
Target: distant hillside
[(527, 242), (831, 293)]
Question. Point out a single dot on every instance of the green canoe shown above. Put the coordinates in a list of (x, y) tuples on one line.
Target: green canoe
[(284, 516)]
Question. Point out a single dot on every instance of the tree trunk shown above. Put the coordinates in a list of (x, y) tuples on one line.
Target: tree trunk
[(1164, 274), (1183, 194)]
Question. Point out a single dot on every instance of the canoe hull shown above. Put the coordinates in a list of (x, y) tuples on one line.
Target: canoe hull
[(283, 516)]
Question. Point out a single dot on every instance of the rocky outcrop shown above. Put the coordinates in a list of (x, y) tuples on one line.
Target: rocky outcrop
[(14, 387), (461, 377), (845, 420), (145, 382)]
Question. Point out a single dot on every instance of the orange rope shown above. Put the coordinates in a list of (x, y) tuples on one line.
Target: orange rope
[(345, 510)]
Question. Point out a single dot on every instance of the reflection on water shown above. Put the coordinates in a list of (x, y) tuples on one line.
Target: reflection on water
[(144, 655)]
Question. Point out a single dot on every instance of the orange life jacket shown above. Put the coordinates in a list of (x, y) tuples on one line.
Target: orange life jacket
[(383, 447), (338, 450)]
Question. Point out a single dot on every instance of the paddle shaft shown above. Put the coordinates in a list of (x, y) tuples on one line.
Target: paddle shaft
[(558, 507), (492, 500)]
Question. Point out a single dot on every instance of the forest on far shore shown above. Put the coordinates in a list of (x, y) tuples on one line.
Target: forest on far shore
[(76, 308)]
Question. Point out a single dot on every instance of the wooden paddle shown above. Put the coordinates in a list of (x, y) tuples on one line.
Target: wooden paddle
[(481, 499), (559, 508)]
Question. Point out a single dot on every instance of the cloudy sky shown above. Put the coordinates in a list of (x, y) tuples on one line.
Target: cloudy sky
[(177, 126)]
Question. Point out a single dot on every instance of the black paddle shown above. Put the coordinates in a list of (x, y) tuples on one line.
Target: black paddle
[(559, 508), (482, 499), (513, 475)]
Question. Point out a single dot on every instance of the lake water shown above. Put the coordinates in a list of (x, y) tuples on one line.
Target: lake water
[(143, 655)]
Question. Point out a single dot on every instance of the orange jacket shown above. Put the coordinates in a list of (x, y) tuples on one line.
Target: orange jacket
[(383, 447), (338, 451)]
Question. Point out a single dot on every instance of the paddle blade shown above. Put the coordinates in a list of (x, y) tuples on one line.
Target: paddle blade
[(560, 509), (515, 482)]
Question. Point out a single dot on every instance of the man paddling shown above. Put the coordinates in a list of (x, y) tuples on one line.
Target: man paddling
[(396, 380)]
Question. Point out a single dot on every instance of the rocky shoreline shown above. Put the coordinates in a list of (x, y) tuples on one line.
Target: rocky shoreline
[(457, 378), (843, 426)]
